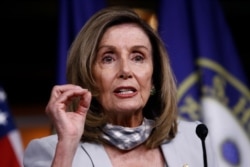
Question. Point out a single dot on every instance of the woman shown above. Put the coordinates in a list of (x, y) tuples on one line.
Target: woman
[(120, 107)]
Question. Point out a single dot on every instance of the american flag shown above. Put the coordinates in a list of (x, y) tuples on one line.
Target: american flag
[(11, 149)]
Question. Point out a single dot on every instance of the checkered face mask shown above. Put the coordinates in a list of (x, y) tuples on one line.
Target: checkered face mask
[(126, 138)]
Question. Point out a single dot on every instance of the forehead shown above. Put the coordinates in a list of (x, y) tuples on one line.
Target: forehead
[(126, 31)]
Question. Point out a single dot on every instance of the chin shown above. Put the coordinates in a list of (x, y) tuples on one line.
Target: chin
[(128, 109)]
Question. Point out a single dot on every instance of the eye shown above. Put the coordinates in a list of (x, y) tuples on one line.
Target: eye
[(107, 59), (138, 57)]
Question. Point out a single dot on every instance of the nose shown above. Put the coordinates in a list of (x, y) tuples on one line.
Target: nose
[(125, 69)]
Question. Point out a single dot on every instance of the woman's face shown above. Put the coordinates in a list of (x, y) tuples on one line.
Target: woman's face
[(123, 69)]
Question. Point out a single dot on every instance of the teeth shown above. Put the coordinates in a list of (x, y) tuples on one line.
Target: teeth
[(125, 91)]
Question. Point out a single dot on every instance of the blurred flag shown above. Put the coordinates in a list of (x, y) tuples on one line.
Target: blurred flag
[(11, 149), (72, 16), (212, 86)]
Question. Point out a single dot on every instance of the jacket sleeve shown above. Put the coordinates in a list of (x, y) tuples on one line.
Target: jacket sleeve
[(39, 153)]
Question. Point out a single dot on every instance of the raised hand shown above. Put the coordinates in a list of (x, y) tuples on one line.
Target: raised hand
[(69, 124)]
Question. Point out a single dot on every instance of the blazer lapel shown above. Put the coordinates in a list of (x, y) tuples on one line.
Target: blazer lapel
[(97, 154), (170, 154)]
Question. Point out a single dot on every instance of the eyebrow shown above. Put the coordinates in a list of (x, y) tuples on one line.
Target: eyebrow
[(113, 47), (140, 46), (105, 46)]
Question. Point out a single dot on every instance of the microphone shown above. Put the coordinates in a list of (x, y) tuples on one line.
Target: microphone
[(202, 131)]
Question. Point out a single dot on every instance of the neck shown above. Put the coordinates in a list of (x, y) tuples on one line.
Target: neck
[(126, 120)]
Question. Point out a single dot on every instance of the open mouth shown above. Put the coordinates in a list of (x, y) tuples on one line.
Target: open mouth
[(125, 90)]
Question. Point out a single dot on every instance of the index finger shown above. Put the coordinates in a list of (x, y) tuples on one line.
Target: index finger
[(58, 90)]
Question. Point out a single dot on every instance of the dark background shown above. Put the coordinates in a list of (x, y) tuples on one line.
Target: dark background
[(28, 33)]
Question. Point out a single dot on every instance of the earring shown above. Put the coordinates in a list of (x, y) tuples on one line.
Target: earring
[(152, 91)]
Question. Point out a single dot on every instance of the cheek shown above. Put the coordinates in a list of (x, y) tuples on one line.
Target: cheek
[(146, 78), (146, 84), (104, 82), (98, 76)]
